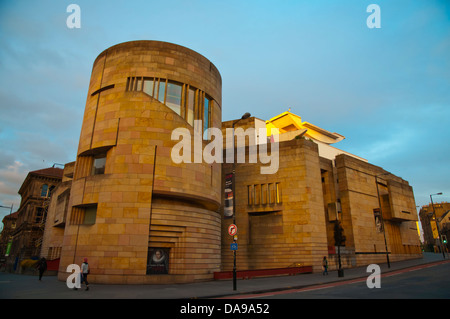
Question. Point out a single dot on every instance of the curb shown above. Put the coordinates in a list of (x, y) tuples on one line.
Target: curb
[(357, 278)]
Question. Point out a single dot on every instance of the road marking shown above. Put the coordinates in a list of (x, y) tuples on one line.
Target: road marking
[(335, 284)]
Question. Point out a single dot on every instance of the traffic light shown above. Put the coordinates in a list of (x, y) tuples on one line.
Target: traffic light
[(444, 239), (339, 238)]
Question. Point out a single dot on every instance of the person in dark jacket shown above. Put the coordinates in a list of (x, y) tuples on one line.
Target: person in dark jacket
[(42, 267), (325, 266)]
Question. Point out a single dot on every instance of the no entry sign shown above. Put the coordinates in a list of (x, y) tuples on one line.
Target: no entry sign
[(232, 229)]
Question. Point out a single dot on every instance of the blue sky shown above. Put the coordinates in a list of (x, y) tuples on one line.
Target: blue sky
[(386, 90)]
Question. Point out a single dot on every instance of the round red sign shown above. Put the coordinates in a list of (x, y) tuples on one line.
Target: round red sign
[(232, 229)]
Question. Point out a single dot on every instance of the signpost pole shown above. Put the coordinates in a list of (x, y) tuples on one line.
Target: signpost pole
[(245, 116), (234, 215)]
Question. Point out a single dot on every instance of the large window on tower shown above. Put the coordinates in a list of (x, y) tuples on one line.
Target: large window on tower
[(188, 102)]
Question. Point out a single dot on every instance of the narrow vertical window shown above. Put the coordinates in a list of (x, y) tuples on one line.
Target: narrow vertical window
[(190, 106), (173, 100), (264, 194), (44, 190), (50, 190), (278, 193), (269, 193), (250, 194), (138, 84), (131, 87), (206, 114), (257, 194), (148, 87), (162, 90)]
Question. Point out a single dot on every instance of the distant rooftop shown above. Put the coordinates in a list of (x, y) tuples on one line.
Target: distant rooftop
[(51, 171)]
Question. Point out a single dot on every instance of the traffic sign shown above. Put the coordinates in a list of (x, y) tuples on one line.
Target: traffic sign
[(234, 246), (232, 229)]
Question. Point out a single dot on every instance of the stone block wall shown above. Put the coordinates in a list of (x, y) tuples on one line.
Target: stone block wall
[(116, 215), (279, 233)]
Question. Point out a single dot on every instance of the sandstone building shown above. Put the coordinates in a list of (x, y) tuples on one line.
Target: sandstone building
[(288, 218), (430, 225), (57, 211), (36, 192), (141, 217), (9, 225), (134, 213)]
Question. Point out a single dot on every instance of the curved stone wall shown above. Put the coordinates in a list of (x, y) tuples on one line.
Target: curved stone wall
[(129, 200)]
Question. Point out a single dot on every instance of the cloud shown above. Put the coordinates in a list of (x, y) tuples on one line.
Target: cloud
[(408, 140), (11, 178), (13, 173), (386, 90), (34, 134)]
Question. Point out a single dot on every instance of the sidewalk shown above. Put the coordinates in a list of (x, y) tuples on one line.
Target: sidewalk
[(14, 286)]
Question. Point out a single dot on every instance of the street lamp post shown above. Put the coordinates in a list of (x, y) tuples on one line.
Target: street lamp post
[(437, 223), (444, 241), (245, 116), (10, 208), (382, 219)]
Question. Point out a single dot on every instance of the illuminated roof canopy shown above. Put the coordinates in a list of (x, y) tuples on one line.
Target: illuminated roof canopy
[(289, 122)]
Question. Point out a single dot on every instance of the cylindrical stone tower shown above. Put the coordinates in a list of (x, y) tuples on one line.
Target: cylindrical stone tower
[(138, 216)]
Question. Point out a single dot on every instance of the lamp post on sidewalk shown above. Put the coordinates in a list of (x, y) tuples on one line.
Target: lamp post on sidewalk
[(339, 240), (10, 208), (245, 116), (443, 236), (437, 223), (382, 219)]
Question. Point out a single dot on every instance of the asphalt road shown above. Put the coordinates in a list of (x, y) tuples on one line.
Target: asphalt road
[(424, 282)]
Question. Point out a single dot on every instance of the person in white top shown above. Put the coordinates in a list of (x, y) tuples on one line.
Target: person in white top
[(85, 272)]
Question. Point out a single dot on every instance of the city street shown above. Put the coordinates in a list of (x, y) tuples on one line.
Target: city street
[(410, 280), (416, 278), (422, 282)]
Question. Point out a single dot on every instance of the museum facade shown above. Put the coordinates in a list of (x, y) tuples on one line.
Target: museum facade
[(140, 217), (289, 218)]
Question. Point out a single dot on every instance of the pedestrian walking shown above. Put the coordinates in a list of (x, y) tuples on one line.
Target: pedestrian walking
[(42, 267), (85, 272), (325, 266)]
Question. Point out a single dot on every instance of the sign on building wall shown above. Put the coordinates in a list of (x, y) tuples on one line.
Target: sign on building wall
[(378, 220), (158, 261), (228, 207), (8, 248)]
